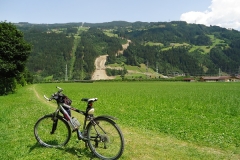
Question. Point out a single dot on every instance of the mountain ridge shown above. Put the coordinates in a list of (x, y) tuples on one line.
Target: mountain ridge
[(167, 47)]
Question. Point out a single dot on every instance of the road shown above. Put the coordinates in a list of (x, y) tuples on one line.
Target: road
[(100, 73)]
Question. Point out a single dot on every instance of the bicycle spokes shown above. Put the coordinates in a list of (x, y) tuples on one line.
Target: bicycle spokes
[(51, 134), (105, 139)]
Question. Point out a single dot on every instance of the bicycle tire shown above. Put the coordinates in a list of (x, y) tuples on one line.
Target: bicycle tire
[(108, 145), (43, 129)]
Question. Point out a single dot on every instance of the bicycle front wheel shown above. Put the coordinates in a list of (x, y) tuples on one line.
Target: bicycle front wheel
[(105, 138), (52, 133)]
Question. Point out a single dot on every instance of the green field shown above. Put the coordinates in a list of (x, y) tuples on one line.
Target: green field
[(160, 120), (135, 72)]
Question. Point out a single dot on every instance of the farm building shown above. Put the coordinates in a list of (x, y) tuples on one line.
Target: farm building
[(220, 79)]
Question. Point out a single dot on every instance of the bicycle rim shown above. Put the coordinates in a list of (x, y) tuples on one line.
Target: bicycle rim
[(43, 129), (106, 140)]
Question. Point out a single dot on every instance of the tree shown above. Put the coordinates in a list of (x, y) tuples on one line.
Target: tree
[(14, 52)]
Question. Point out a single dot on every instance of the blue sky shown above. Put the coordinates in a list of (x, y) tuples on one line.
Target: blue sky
[(224, 13)]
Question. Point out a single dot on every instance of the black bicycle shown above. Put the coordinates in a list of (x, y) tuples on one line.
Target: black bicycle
[(101, 134)]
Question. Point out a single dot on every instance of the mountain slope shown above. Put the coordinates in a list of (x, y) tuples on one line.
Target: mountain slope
[(166, 47)]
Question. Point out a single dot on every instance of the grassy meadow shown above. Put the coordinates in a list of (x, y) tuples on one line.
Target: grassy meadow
[(159, 120)]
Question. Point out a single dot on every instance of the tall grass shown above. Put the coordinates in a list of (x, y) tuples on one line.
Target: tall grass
[(171, 120)]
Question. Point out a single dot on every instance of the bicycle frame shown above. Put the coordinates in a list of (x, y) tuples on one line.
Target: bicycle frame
[(69, 119), (88, 117)]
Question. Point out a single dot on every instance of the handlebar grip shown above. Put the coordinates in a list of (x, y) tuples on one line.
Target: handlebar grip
[(60, 89), (46, 98)]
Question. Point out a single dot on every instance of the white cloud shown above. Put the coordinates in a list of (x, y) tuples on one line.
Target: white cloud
[(223, 13)]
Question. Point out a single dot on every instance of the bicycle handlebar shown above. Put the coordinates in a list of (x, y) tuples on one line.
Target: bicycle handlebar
[(59, 91)]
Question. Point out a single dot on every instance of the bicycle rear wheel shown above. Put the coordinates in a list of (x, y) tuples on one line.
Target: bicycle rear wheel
[(105, 138), (52, 133)]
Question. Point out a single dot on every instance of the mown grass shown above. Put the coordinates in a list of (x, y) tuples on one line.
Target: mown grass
[(135, 72), (160, 120), (110, 33), (153, 44), (142, 69), (206, 49)]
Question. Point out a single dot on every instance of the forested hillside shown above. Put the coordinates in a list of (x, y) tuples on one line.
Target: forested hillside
[(166, 47), (185, 48), (93, 43), (53, 50)]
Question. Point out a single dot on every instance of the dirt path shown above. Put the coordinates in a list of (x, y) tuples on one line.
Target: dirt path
[(124, 46), (41, 98), (100, 73)]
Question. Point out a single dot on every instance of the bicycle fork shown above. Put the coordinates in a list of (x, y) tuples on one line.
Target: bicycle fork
[(54, 126), (55, 122)]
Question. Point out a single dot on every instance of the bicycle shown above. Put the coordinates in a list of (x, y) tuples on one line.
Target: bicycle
[(102, 135)]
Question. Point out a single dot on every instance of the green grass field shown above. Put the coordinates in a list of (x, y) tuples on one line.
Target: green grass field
[(160, 120)]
